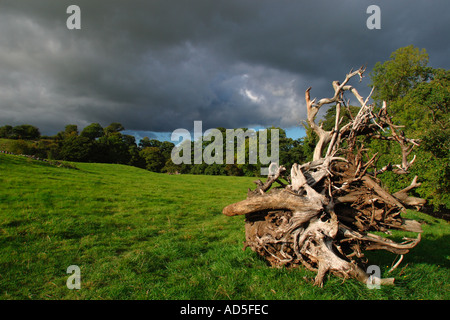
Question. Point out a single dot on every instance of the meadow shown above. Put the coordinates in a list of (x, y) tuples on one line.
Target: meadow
[(142, 235)]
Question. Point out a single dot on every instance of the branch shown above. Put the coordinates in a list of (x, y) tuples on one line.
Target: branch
[(298, 181), (283, 200), (406, 144), (403, 197), (324, 136), (261, 188), (313, 108), (382, 193)]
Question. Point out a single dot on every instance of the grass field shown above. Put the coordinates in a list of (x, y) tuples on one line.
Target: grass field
[(141, 235)]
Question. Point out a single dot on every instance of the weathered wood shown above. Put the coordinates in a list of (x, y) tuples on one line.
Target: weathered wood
[(282, 200), (382, 193), (323, 218)]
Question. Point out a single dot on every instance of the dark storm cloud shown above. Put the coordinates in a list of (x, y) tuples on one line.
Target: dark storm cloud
[(160, 65)]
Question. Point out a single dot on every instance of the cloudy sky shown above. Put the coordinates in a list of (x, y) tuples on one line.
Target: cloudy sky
[(159, 65)]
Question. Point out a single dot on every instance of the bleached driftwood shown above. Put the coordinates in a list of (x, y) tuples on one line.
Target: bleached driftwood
[(322, 215)]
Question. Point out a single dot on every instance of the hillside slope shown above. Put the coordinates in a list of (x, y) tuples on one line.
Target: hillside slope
[(142, 235)]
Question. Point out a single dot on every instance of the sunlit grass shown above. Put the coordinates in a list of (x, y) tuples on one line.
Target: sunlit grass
[(142, 235)]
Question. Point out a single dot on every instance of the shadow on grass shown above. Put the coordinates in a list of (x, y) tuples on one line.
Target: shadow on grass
[(432, 251), (435, 251)]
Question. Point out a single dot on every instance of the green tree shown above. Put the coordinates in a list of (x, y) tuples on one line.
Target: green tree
[(292, 153), (136, 159), (71, 130), (25, 132), (394, 78), (418, 98), (93, 131), (113, 148), (6, 131), (114, 127), (166, 149), (425, 113), (309, 143), (128, 140), (147, 142), (153, 158), (171, 167), (215, 169), (76, 148), (233, 170)]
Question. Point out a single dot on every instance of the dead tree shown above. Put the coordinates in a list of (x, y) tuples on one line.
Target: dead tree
[(321, 215)]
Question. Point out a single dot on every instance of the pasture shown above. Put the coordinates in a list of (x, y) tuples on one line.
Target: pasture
[(142, 235)]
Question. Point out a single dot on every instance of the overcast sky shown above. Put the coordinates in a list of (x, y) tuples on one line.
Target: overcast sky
[(160, 65)]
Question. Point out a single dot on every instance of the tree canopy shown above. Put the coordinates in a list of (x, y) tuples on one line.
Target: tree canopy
[(418, 96), (393, 78)]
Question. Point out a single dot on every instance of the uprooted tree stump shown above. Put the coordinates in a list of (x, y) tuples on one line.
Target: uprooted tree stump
[(320, 216)]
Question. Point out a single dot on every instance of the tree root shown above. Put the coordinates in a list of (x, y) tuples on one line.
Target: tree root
[(323, 218)]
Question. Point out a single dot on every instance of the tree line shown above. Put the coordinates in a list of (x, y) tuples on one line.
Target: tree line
[(109, 145), (93, 144)]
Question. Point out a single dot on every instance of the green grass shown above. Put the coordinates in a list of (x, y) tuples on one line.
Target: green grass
[(141, 235)]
